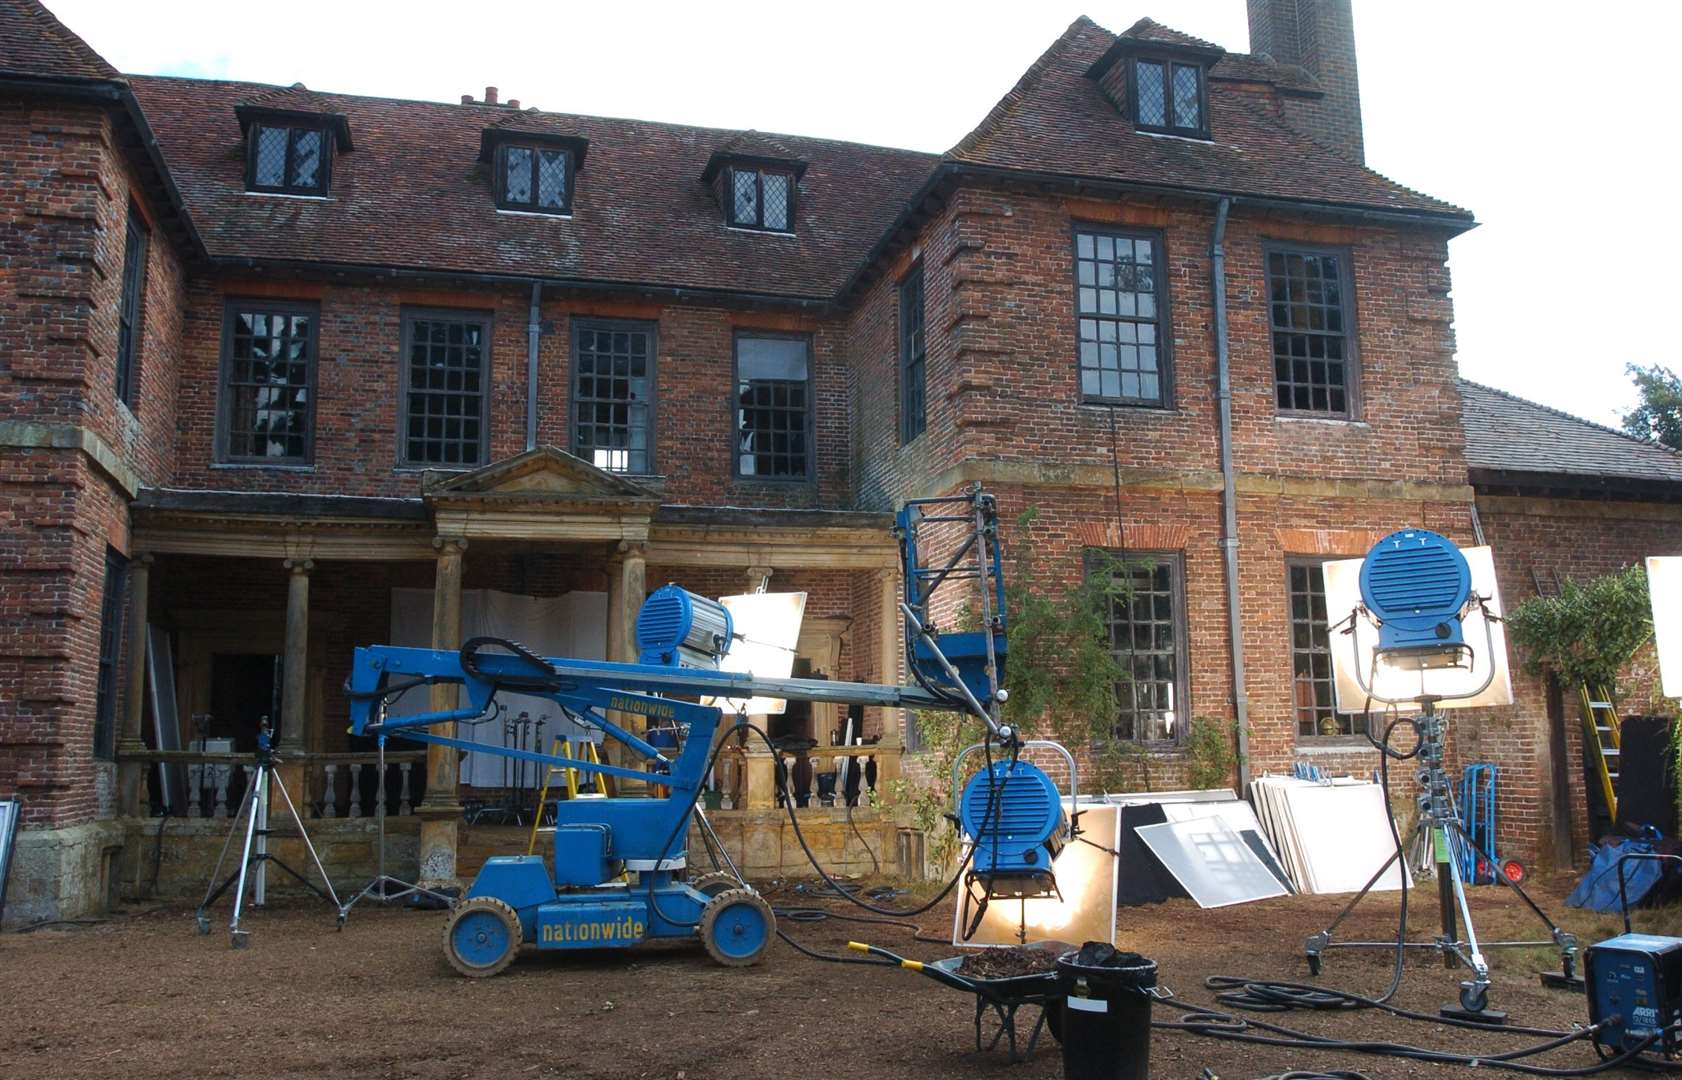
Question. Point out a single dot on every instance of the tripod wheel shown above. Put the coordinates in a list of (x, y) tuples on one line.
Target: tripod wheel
[(1474, 998), (1313, 963)]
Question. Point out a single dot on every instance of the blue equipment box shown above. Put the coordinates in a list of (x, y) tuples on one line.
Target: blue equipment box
[(1637, 979), (581, 855)]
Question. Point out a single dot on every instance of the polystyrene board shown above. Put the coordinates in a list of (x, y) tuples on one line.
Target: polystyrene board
[(1136, 798), (1236, 813), (1344, 836), (767, 631), (1664, 586), (1211, 862), (1086, 878)]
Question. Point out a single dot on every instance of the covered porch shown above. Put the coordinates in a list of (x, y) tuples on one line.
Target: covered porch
[(248, 606)]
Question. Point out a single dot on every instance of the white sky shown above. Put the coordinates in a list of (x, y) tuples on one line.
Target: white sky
[(1514, 110)]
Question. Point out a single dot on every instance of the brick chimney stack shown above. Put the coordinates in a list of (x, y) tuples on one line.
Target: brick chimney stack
[(1318, 35), (490, 95)]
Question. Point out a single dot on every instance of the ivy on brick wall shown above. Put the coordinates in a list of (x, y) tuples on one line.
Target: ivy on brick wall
[(1588, 632)]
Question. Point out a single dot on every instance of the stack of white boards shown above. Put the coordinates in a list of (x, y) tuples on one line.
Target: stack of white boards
[(1210, 842), (1331, 835)]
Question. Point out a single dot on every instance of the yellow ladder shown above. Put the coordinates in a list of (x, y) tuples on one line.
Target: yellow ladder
[(1603, 742), (563, 748)]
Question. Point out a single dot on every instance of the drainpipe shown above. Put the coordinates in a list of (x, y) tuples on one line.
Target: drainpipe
[(1229, 493), (534, 330)]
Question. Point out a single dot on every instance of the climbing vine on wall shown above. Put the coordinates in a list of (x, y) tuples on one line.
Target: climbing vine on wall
[(1587, 633)]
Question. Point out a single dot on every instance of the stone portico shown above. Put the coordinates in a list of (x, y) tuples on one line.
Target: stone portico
[(229, 574)]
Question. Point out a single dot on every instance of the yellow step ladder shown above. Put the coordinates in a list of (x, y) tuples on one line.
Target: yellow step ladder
[(563, 748), (1603, 742)]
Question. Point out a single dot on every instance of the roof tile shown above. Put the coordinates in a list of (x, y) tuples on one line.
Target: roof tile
[(1509, 434), (34, 42)]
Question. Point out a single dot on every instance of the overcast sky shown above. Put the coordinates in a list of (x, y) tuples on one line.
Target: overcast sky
[(1511, 109)]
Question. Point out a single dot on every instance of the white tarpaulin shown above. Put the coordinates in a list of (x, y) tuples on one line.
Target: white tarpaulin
[(573, 625)]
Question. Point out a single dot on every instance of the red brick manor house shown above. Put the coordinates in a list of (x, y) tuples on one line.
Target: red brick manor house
[(284, 371)]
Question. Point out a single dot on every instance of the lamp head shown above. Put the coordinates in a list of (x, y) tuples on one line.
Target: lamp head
[(1416, 583)]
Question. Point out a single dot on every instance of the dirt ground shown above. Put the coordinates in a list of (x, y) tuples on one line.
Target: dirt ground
[(143, 995)]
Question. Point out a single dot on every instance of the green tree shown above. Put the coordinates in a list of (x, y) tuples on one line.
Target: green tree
[(1659, 416), (1588, 632)]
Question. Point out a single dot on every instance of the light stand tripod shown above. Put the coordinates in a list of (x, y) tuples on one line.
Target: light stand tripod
[(255, 857), (1439, 824), (381, 887)]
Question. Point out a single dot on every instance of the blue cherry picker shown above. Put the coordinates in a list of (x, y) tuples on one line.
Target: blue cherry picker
[(615, 876)]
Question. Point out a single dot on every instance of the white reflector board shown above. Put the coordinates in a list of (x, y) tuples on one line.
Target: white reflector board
[(1342, 836), (1086, 876), (1664, 584), (766, 628), (1211, 862), (1352, 653)]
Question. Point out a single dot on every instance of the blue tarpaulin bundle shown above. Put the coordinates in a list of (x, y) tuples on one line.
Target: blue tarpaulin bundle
[(1598, 891)]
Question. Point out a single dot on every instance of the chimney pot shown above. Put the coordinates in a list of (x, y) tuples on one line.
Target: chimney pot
[(490, 95), (467, 99), (513, 103)]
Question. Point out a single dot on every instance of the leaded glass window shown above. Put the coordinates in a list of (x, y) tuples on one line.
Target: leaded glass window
[(760, 199), (773, 408), (535, 178), (268, 385), (129, 305), (1168, 97), (1313, 362), (913, 358), (1311, 656), (1119, 317), (446, 360), (111, 605), (612, 394), (288, 159), (1146, 623)]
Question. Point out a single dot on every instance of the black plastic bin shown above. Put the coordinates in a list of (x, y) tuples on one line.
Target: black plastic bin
[(1106, 1014)]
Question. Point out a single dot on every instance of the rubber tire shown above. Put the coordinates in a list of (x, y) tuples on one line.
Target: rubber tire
[(1313, 964), (716, 907), (510, 920), (1513, 871), (1054, 1020), (1474, 999), (719, 881)]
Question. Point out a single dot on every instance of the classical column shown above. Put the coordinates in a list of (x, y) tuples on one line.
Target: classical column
[(439, 811), (294, 695), (759, 578), (131, 782), (890, 645), (632, 575)]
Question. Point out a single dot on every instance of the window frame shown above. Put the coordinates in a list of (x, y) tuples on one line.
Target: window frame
[(1351, 326), (1176, 563), (409, 315), (1169, 63), (759, 171), (913, 423), (324, 174), (499, 163), (811, 476), (224, 400), (113, 610), (1164, 308), (652, 327), (131, 305), (1355, 738)]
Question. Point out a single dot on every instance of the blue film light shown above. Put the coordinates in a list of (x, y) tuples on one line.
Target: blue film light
[(1416, 584), (678, 628)]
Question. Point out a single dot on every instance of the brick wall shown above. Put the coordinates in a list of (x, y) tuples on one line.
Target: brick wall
[(62, 230), (358, 387)]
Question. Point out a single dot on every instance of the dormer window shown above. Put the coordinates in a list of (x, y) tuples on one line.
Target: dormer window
[(537, 179), (288, 159), (534, 164), (1168, 96), (760, 198)]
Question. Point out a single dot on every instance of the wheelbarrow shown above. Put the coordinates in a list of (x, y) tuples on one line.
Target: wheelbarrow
[(1000, 998)]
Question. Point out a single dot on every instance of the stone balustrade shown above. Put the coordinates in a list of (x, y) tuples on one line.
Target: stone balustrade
[(345, 785)]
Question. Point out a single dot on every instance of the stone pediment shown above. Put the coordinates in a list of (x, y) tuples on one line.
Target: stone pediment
[(544, 473)]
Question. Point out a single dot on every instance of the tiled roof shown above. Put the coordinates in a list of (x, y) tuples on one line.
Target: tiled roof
[(1057, 120), (33, 42), (1508, 434), (1154, 32), (1252, 67), (412, 194)]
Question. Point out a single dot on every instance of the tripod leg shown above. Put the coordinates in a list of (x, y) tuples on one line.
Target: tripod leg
[(296, 820), (212, 890), (259, 791), (1566, 941), (1448, 880)]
